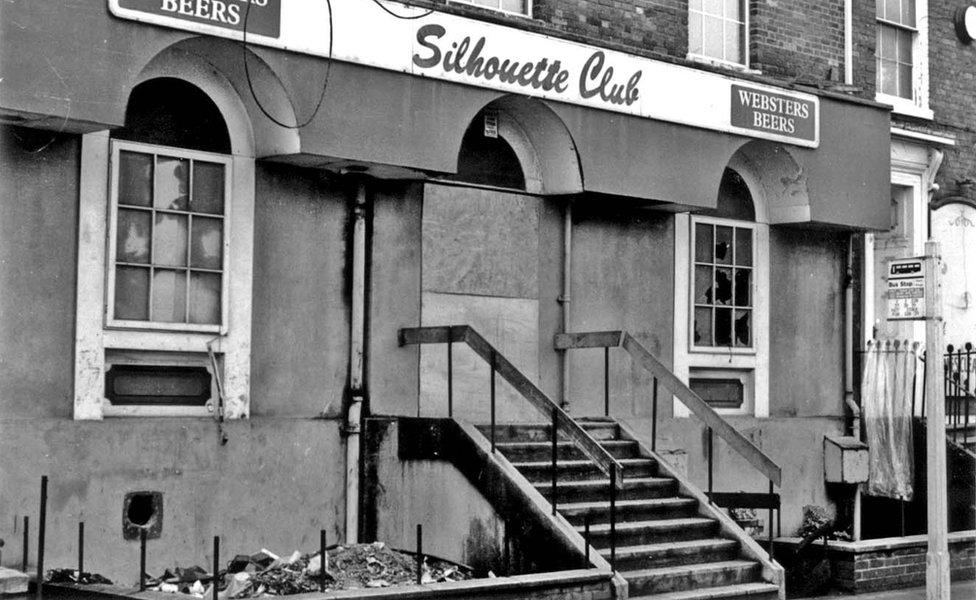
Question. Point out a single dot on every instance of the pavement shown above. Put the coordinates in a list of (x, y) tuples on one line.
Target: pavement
[(959, 590)]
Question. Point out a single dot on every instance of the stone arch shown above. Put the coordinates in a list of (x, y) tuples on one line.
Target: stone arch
[(776, 181), (542, 143), (216, 67)]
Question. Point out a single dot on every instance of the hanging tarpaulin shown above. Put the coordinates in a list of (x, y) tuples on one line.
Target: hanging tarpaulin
[(887, 387)]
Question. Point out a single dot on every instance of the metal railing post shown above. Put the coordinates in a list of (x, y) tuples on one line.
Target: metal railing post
[(450, 372), (586, 538), (555, 457), (492, 401), (769, 521), (41, 527), (654, 419), (613, 518), (606, 382), (710, 443), (81, 550), (26, 545), (420, 554), (142, 561), (216, 564)]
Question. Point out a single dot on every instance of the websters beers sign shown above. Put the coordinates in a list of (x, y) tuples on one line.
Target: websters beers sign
[(470, 52)]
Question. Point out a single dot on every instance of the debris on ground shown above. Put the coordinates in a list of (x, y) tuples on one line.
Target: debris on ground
[(73, 576), (346, 567)]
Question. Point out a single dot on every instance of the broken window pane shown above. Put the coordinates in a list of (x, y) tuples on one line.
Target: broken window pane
[(135, 178), (743, 287), (723, 326), (169, 296), (743, 327), (132, 293), (723, 286), (171, 183), (703, 243), (703, 284), (723, 245), (703, 326), (132, 236)]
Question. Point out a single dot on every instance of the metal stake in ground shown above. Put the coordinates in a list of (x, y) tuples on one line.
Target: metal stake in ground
[(81, 550), (420, 553), (321, 560), (26, 542), (216, 564), (142, 559), (40, 538)]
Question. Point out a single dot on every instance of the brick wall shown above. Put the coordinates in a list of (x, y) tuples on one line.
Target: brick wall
[(892, 563), (952, 90), (798, 39)]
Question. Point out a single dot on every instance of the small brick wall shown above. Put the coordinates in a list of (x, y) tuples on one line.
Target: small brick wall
[(892, 563)]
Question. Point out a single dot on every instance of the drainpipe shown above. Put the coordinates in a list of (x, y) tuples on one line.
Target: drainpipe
[(849, 341), (848, 42), (565, 297), (357, 336)]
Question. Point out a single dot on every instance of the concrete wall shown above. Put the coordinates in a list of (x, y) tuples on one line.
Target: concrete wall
[(460, 525), (277, 481), (623, 274)]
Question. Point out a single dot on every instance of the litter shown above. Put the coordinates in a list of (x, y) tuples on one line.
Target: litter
[(72, 576), (346, 567)]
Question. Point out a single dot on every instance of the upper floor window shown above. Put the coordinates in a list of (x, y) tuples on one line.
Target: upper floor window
[(167, 238), (717, 30), (519, 7), (902, 48), (896, 35)]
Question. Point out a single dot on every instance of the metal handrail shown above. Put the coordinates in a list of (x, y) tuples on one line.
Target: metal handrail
[(528, 390), (621, 339)]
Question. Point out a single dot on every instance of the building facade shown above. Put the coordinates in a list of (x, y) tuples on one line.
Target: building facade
[(212, 238)]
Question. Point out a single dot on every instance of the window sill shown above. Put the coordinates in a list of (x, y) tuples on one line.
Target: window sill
[(111, 410), (502, 11), (724, 64), (905, 107)]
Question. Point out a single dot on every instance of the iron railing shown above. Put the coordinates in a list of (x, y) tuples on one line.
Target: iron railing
[(562, 422), (960, 391), (714, 423)]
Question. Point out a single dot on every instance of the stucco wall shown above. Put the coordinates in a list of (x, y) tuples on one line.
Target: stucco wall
[(300, 336), (806, 322), (277, 481), (623, 278), (38, 220)]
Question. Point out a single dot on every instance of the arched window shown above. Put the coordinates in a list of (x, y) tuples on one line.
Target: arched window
[(157, 327), (170, 197), (721, 300)]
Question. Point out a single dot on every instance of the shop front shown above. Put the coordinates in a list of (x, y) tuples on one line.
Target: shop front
[(258, 218)]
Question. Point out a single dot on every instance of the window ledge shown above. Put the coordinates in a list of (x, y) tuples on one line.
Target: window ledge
[(905, 107), (717, 62), (510, 13)]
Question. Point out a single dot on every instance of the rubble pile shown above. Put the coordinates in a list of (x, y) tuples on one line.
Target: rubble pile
[(346, 567), (73, 576)]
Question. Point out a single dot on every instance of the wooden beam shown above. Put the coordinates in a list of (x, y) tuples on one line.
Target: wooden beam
[(567, 425), (591, 339), (744, 500)]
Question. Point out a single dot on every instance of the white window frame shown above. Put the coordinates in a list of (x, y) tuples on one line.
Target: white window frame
[(98, 345), (527, 14), (111, 322), (695, 220), (752, 364), (744, 65), (918, 104)]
